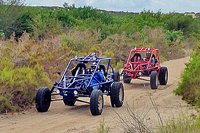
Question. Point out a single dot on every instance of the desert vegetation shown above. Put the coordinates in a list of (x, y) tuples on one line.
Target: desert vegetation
[(35, 42), (189, 85), (183, 124)]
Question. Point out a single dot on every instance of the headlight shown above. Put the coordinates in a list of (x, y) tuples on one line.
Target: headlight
[(57, 91), (75, 92)]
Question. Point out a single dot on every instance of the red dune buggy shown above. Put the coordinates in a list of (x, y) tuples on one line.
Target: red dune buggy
[(145, 62)]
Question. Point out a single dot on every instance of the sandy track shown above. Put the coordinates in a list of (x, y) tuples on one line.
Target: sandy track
[(64, 119)]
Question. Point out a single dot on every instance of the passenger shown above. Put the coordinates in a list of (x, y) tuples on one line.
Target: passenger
[(148, 56), (98, 76)]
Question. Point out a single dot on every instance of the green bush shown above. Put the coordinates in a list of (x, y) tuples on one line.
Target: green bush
[(42, 20), (173, 36), (2, 34), (189, 85), (18, 85)]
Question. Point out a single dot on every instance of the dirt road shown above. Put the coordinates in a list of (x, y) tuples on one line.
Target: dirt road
[(64, 119)]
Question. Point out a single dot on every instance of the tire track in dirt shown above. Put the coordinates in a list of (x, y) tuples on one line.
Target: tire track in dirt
[(64, 119)]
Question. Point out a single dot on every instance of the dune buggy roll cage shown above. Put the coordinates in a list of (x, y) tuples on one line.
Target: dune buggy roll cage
[(69, 84), (135, 64)]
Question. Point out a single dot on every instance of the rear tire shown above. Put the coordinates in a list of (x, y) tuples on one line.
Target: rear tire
[(43, 99), (69, 102), (163, 76), (154, 80), (126, 78), (116, 76), (96, 102), (117, 94)]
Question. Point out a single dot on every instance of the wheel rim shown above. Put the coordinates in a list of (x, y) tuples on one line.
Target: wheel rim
[(100, 103), (120, 94)]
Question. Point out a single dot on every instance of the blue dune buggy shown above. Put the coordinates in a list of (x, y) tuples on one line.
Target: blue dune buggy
[(88, 76)]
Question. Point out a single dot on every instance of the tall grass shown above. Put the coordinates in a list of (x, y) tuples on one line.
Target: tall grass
[(103, 128), (182, 124)]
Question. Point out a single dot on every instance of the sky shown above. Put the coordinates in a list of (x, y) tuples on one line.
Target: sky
[(164, 6)]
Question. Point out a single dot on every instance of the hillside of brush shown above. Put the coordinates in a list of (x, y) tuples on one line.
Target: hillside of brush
[(36, 42)]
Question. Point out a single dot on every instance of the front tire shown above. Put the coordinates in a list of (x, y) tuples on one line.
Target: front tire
[(154, 80), (117, 94), (96, 102), (163, 76), (43, 99)]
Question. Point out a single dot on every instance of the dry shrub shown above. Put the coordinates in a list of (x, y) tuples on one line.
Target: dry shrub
[(103, 128), (156, 37), (132, 122), (5, 104)]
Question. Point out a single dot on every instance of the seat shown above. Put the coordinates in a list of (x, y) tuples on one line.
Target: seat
[(103, 70), (79, 69), (135, 59)]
